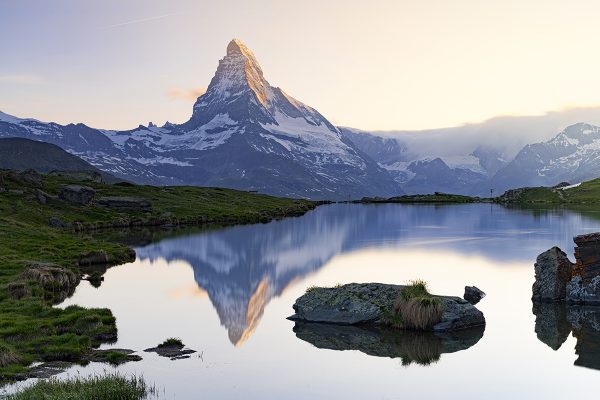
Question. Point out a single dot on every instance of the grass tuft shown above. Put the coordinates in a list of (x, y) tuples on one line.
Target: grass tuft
[(416, 308), (311, 288)]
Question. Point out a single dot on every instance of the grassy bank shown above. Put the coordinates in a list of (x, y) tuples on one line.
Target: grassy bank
[(425, 198), (106, 387), (587, 193), (40, 265)]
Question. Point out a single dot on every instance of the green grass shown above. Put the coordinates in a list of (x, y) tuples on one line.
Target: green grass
[(311, 288), (106, 387), (586, 193), (30, 326), (427, 198), (171, 342)]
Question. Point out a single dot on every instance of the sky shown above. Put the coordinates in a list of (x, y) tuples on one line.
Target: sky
[(379, 65)]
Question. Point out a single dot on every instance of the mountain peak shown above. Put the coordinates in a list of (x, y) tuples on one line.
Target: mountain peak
[(237, 47)]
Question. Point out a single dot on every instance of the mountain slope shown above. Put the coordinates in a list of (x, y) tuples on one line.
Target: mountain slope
[(243, 134), (572, 156), (21, 154)]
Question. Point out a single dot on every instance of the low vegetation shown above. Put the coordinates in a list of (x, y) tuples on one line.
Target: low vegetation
[(437, 197), (587, 193), (171, 342), (416, 308), (105, 387), (41, 264)]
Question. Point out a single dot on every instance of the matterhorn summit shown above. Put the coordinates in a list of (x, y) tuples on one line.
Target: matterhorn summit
[(243, 134)]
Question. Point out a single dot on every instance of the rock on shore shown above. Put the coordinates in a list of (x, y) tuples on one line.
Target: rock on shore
[(369, 303)]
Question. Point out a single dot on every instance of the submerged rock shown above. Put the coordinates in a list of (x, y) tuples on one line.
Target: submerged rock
[(473, 294), (552, 272), (172, 351), (419, 347), (370, 303)]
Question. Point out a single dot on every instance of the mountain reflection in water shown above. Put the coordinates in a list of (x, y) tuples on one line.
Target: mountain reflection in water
[(243, 267)]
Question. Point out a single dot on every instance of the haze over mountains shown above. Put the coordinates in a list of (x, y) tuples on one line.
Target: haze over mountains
[(246, 134)]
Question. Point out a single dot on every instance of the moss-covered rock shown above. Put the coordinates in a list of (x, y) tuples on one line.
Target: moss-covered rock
[(373, 303)]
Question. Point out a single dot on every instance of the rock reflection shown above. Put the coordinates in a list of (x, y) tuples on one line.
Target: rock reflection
[(554, 323), (423, 348)]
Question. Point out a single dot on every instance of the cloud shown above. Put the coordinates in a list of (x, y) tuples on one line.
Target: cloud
[(21, 79), (186, 94), (137, 21)]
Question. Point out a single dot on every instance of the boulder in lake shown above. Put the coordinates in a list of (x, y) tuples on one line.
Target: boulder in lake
[(559, 280), (373, 303), (77, 194), (552, 273), (473, 294)]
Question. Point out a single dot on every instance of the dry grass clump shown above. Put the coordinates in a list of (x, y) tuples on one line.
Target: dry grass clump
[(8, 356), (417, 308)]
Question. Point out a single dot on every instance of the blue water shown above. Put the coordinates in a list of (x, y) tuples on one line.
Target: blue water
[(226, 293)]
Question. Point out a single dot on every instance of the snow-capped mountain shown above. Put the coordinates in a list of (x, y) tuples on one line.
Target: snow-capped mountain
[(420, 173), (571, 156), (243, 134)]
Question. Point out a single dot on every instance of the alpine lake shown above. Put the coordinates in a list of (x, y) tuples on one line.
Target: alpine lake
[(226, 293)]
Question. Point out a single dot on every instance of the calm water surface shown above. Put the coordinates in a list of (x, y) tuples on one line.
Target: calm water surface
[(226, 293)]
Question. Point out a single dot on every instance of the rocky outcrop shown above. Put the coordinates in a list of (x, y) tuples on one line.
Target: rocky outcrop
[(553, 271), (473, 294), (77, 194), (557, 279), (372, 303), (126, 203), (421, 348)]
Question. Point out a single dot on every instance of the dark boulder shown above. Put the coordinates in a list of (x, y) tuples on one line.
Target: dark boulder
[(552, 272), (473, 294), (77, 194), (42, 197)]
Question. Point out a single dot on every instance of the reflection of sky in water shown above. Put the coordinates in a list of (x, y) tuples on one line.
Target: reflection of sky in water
[(238, 284)]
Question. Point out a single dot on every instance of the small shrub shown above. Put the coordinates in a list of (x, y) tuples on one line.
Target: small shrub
[(171, 342), (338, 285), (311, 288)]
